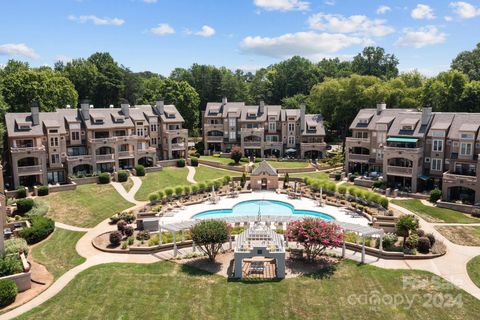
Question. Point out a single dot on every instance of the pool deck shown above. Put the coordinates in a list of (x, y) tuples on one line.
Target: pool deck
[(338, 214)]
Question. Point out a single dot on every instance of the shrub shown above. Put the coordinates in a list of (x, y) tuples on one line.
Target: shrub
[(342, 189), (10, 265), (122, 175), (194, 161), (226, 180), (405, 225), (195, 188), (187, 190), (178, 191), (128, 231), (41, 227), (130, 240), (423, 245), (337, 176), (168, 192), (42, 191), (143, 235), (379, 184), (124, 245), (139, 170), (21, 192), (121, 225), (236, 154), (24, 205), (352, 177), (384, 202), (161, 195), (412, 241), (439, 247), (476, 213), (8, 292), (128, 217), (431, 237), (115, 238), (435, 195), (152, 197), (210, 235), (103, 178), (286, 180), (181, 163), (15, 246), (217, 183), (201, 187), (389, 240), (420, 233), (208, 185)]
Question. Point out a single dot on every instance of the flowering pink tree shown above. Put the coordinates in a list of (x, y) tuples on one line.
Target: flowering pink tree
[(316, 235)]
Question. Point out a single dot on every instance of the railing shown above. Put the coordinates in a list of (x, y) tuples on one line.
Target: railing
[(177, 132), (400, 151), (146, 150), (27, 149), (313, 144), (85, 157), (252, 144), (354, 139), (178, 146), (29, 169), (126, 154), (102, 140), (215, 138), (210, 127), (399, 170), (449, 177), (115, 139), (254, 130), (104, 157), (358, 157)]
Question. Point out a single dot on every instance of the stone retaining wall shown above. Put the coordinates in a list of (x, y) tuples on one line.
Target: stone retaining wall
[(62, 187), (457, 206), (221, 165), (22, 280), (295, 170), (154, 169), (363, 182), (167, 163), (86, 180)]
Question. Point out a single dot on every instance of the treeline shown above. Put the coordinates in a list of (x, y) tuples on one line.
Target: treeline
[(337, 89)]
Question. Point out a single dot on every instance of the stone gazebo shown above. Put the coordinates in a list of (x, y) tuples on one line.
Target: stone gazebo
[(264, 177)]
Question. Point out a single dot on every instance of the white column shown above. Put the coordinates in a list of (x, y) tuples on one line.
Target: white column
[(175, 244)]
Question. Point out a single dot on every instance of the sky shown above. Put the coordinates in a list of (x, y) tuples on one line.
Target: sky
[(160, 35)]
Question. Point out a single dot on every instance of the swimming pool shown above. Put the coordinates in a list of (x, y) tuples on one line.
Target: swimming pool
[(267, 208)]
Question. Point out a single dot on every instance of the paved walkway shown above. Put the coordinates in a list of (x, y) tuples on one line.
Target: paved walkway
[(191, 174), (130, 195), (69, 227)]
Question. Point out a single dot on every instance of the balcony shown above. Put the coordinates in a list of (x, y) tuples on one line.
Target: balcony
[(453, 178), (252, 144), (395, 152), (27, 149), (85, 157), (102, 140), (29, 170), (400, 171), (316, 145), (252, 130), (214, 138), (355, 157), (358, 142), (177, 132), (212, 127), (178, 146), (124, 139), (149, 150), (104, 158), (126, 154)]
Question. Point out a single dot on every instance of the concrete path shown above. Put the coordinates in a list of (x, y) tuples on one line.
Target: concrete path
[(130, 195), (191, 174), (69, 227)]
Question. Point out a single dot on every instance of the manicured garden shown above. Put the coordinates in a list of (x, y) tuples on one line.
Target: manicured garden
[(208, 173), (462, 235), (288, 164), (154, 181), (167, 290), (86, 206), (312, 175), (225, 161), (473, 269), (435, 214), (58, 253)]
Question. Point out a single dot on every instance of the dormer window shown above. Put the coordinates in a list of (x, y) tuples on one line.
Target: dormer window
[(170, 115), (23, 125), (409, 128), (467, 136), (363, 121)]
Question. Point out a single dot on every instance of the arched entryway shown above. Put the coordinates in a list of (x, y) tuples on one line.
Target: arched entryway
[(272, 153), (146, 161), (313, 154), (82, 169)]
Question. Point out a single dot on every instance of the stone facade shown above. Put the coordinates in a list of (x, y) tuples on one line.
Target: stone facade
[(264, 177)]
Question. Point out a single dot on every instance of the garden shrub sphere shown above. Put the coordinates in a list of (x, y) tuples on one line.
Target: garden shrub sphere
[(139, 170), (24, 205), (41, 227), (115, 238), (103, 178), (42, 191), (8, 292), (122, 176)]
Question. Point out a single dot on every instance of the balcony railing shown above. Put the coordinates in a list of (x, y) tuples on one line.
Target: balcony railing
[(126, 154), (449, 177), (146, 150), (254, 130), (215, 138), (131, 138), (358, 157), (399, 170), (104, 157), (396, 151), (177, 132), (30, 169), (85, 157), (27, 149), (313, 144), (252, 144)]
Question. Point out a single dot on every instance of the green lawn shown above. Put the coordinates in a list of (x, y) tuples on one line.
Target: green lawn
[(208, 173), (314, 175), (86, 206), (154, 181), (58, 253), (462, 235), (473, 268), (434, 214), (128, 184), (166, 290), (226, 161), (288, 164)]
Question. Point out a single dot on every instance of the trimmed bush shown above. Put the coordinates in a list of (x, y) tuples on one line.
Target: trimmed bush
[(115, 238), (8, 292), (122, 175), (41, 227), (217, 183), (168, 192), (42, 191), (10, 265), (435, 195), (178, 191), (139, 170), (21, 192), (143, 235), (194, 161), (161, 195), (125, 216), (384, 202), (15, 246), (431, 237), (128, 231), (181, 163), (195, 188), (103, 178), (423, 245), (389, 240), (226, 180), (379, 184), (152, 197), (342, 189), (201, 187), (187, 190), (121, 225), (24, 205), (352, 177)]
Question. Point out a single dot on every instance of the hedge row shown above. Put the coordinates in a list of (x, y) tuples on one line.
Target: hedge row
[(41, 227), (368, 196)]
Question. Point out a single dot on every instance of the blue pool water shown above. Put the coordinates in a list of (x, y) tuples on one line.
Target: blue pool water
[(267, 207)]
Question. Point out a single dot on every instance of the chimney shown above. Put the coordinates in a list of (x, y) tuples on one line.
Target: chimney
[(426, 114), (159, 106), (125, 109), (302, 117), (224, 100), (35, 108), (381, 106), (262, 107), (85, 109)]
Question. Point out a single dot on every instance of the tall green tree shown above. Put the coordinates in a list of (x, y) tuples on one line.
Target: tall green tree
[(373, 61), (83, 74), (444, 92), (468, 62), (109, 85)]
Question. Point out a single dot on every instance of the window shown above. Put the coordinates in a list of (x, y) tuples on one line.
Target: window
[(291, 140), (272, 126), (232, 135), (232, 122), (467, 136), (437, 145), (140, 132), (380, 154), (271, 138), (75, 135), (409, 128), (55, 176), (154, 141), (465, 149), (291, 127), (55, 158), (153, 127), (54, 142), (436, 164)]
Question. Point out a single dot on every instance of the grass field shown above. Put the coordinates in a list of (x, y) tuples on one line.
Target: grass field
[(288, 164), (462, 235), (435, 214), (313, 175), (473, 268), (154, 181), (58, 253), (85, 206), (166, 290), (208, 173), (226, 161), (128, 184)]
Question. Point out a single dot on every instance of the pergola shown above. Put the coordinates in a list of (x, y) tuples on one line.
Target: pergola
[(363, 231)]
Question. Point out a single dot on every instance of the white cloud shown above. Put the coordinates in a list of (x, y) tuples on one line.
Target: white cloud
[(448, 18), (282, 5), (383, 9), (97, 21), (150, 1), (63, 58), (330, 2), (465, 10), (17, 49), (162, 29), (422, 11), (359, 25), (206, 31), (310, 44), (421, 37)]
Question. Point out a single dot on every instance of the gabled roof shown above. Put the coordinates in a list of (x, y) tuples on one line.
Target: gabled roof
[(264, 168)]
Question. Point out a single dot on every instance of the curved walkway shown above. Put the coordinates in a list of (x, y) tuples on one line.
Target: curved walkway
[(191, 174), (130, 195), (69, 227)]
